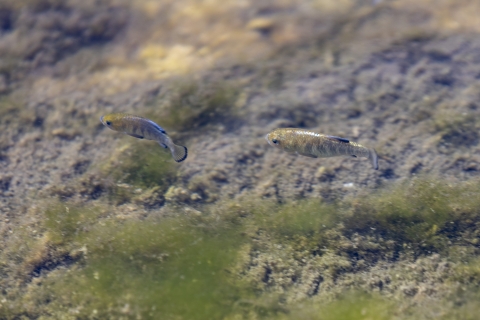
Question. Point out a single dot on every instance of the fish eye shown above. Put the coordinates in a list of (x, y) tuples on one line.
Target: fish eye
[(108, 123), (275, 141)]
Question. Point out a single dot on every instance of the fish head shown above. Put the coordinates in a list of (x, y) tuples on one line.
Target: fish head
[(276, 138), (112, 121)]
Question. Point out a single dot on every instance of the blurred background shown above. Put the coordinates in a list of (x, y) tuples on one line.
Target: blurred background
[(98, 225)]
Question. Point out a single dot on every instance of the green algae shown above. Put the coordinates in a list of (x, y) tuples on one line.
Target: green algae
[(420, 216), (195, 266), (170, 269), (352, 306), (192, 105), (456, 130), (138, 170), (302, 224), (282, 222), (300, 217), (65, 223), (468, 273), (143, 164)]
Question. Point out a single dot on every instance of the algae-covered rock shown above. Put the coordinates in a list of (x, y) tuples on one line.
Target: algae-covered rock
[(283, 255), (150, 198), (177, 194)]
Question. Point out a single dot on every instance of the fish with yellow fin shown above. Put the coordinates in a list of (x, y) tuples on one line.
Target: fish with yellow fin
[(316, 145), (143, 128)]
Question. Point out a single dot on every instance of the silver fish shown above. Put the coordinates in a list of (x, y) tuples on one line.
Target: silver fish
[(143, 128), (316, 145)]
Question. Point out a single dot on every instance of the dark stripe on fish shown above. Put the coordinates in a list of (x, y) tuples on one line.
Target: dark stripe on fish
[(134, 135), (157, 127), (338, 139)]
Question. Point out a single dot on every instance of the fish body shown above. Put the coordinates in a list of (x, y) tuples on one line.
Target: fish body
[(316, 145), (143, 128)]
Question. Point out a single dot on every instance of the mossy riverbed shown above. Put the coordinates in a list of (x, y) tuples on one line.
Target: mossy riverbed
[(95, 224), (257, 258)]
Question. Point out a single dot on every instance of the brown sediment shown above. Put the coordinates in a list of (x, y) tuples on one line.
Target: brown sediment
[(85, 208)]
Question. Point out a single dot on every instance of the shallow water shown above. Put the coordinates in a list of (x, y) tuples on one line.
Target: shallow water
[(96, 224)]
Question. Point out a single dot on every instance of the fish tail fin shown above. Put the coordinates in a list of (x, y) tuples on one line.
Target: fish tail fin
[(179, 153), (372, 155)]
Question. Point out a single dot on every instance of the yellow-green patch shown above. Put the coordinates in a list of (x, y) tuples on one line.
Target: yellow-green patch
[(191, 105)]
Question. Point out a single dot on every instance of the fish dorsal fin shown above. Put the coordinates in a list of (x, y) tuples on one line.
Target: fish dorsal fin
[(134, 135), (338, 139), (156, 126)]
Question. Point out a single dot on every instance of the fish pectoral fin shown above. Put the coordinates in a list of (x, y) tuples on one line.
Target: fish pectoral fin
[(354, 156), (134, 135), (163, 145), (307, 155), (338, 139)]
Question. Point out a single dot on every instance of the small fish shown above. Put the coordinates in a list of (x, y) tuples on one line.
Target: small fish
[(143, 128), (316, 145)]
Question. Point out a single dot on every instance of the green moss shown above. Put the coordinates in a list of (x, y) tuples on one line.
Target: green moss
[(65, 223), (141, 165), (468, 273), (422, 215), (188, 266), (349, 307), (301, 217), (18, 249), (144, 165), (463, 305), (192, 105), (301, 224), (172, 269), (456, 130), (137, 171), (204, 186)]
